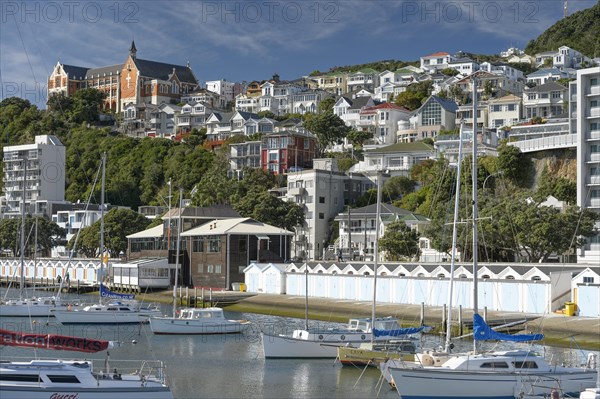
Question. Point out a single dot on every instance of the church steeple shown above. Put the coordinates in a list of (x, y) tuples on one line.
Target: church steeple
[(132, 50)]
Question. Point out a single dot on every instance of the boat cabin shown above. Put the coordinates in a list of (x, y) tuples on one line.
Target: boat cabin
[(207, 313), (381, 323)]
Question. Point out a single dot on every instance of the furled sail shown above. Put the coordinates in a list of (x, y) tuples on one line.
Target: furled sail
[(483, 332), (52, 341), (397, 332)]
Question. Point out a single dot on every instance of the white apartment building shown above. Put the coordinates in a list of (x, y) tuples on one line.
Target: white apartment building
[(545, 101), (320, 192), (229, 90), (504, 111), (502, 69), (163, 120), (464, 66), (193, 115), (366, 79), (382, 121), (588, 154), (246, 103), (41, 168)]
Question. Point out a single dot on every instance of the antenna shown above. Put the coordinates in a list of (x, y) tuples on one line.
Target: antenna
[(565, 8)]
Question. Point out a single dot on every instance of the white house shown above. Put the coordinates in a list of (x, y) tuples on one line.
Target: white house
[(504, 111), (436, 61), (464, 66), (382, 121), (546, 75), (546, 100)]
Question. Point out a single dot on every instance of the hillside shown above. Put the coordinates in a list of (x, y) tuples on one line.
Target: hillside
[(580, 31)]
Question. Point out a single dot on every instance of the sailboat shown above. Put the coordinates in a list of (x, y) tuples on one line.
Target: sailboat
[(402, 345), (57, 378), (190, 321), (325, 342), (500, 375), (28, 307), (120, 308)]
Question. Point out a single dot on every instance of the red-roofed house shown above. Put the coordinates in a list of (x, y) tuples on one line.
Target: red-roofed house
[(436, 61)]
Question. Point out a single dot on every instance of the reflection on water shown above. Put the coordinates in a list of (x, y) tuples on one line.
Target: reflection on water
[(232, 366)]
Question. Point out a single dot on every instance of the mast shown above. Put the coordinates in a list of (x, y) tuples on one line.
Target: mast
[(35, 253), (22, 244), (306, 296), (177, 247), (475, 212), (454, 234), (376, 255), (102, 222)]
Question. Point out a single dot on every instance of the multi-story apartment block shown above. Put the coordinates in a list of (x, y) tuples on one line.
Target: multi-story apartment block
[(34, 176), (436, 61), (588, 154), (546, 100), (136, 81), (426, 122), (244, 155), (288, 150), (322, 192), (366, 78), (229, 90), (504, 111)]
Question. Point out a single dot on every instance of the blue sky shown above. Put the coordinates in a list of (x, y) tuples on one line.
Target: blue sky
[(251, 40)]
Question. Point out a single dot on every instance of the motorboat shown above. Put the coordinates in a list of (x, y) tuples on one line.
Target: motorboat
[(108, 313), (197, 321), (77, 379), (31, 307)]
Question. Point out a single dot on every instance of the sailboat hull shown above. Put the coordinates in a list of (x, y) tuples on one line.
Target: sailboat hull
[(108, 317), (284, 346), (169, 325), (428, 383), (40, 307)]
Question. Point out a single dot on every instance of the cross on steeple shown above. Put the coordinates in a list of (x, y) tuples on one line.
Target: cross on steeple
[(132, 50)]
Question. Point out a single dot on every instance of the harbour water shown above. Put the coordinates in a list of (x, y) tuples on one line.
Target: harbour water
[(231, 366)]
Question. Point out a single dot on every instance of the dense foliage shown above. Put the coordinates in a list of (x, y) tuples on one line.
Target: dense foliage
[(579, 31)]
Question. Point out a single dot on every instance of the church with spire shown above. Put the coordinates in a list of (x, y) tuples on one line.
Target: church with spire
[(136, 81)]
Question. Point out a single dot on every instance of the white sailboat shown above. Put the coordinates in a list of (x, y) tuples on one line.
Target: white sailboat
[(403, 345), (497, 375), (324, 342), (189, 321), (120, 309), (58, 378), (22, 306)]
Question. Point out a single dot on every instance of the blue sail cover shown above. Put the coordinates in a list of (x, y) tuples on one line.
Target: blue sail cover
[(483, 332), (106, 293), (400, 331)]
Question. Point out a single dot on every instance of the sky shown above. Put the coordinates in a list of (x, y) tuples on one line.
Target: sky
[(251, 40)]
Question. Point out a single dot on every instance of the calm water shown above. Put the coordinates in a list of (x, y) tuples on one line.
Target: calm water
[(230, 366)]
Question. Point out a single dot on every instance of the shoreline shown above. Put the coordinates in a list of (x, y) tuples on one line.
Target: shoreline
[(559, 330)]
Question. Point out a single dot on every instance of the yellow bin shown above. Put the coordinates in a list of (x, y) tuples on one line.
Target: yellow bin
[(242, 287), (570, 308)]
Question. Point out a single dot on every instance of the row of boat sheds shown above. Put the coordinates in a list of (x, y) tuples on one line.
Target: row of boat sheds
[(511, 287)]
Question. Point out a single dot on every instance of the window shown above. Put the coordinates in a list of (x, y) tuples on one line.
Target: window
[(21, 377), (217, 268), (588, 280), (594, 82), (200, 268), (63, 379), (210, 268), (510, 277), (527, 364), (321, 215), (494, 365), (214, 244), (321, 200), (198, 244)]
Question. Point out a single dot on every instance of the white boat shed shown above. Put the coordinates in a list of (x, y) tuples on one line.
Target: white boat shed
[(143, 273), (529, 288)]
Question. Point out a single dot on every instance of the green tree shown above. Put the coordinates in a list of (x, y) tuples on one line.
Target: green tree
[(396, 187), (400, 241), (326, 105), (49, 235), (449, 72), (329, 129), (86, 105), (358, 137), (272, 210), (118, 224), (414, 95)]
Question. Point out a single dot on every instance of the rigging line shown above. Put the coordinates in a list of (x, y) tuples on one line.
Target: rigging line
[(25, 50)]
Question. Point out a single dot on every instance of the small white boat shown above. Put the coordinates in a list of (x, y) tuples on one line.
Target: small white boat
[(31, 307), (110, 313), (324, 342), (76, 379), (498, 375), (197, 321)]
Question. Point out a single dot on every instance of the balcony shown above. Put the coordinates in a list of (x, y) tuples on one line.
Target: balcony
[(297, 191)]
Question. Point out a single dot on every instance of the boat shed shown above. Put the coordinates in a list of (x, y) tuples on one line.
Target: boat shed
[(585, 290), (142, 273)]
